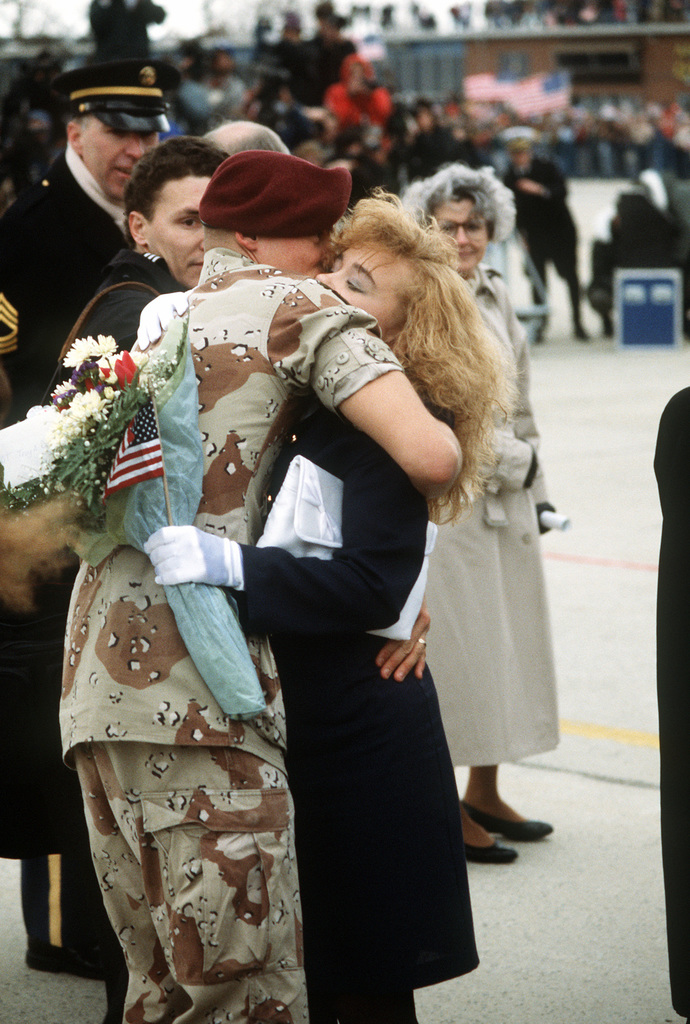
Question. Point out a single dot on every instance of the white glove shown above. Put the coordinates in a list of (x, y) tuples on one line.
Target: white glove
[(156, 316), (184, 554)]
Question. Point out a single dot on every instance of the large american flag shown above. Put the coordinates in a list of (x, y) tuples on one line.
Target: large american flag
[(140, 456), (529, 97)]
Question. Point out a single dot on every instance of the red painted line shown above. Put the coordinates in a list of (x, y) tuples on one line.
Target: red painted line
[(609, 563)]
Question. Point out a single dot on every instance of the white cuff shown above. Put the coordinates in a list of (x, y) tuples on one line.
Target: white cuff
[(234, 564)]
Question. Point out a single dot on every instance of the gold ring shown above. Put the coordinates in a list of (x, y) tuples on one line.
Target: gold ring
[(422, 641)]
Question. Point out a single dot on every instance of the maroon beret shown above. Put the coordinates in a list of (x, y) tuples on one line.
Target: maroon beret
[(275, 195)]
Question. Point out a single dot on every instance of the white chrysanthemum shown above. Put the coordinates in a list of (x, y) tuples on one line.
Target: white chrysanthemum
[(86, 407), (84, 412), (63, 431), (140, 358), (89, 348)]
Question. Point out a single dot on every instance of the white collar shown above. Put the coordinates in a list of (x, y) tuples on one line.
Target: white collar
[(86, 181)]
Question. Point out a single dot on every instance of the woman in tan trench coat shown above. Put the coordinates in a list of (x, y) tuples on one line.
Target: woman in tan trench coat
[(490, 644)]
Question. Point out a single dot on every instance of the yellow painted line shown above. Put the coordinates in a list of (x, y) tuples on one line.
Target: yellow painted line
[(632, 737)]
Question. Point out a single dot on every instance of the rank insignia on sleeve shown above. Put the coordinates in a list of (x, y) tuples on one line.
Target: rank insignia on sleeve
[(9, 321)]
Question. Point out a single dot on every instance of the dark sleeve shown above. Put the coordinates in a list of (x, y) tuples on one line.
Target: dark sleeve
[(152, 13), (34, 320), (14, 254), (672, 468), (368, 581), (552, 179), (464, 151), (672, 459), (103, 19), (117, 313), (54, 241)]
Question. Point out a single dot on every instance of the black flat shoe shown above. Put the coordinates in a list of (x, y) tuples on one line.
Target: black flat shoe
[(497, 853), (518, 831), (42, 956)]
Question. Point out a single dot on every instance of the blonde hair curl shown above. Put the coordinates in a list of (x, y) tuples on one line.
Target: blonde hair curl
[(450, 357)]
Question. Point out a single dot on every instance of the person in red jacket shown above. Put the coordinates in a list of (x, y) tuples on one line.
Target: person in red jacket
[(357, 99)]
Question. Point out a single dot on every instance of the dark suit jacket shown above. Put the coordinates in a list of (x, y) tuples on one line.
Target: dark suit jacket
[(672, 468), (54, 243)]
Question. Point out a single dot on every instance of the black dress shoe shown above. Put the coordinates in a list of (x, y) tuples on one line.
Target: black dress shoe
[(520, 831), (497, 853), (580, 333), (42, 956)]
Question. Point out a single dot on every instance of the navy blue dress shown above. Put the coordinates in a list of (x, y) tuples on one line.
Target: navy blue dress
[(379, 841)]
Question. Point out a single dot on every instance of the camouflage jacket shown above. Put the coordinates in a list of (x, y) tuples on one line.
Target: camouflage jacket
[(262, 345)]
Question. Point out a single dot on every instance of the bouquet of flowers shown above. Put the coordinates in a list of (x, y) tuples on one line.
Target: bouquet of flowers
[(69, 446), (116, 456)]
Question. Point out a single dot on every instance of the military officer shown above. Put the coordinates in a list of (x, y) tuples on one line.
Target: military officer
[(60, 233), (166, 250), (54, 242), (544, 218)]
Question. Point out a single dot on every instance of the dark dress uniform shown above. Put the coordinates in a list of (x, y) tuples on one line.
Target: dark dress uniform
[(116, 309), (548, 228), (35, 777), (55, 240), (672, 468), (54, 243)]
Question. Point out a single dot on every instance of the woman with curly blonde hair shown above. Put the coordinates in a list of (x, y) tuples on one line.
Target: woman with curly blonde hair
[(379, 845), (432, 323)]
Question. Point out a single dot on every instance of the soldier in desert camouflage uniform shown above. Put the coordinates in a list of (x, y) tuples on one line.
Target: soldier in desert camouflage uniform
[(189, 812)]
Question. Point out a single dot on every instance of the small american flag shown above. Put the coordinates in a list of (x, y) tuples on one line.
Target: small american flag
[(140, 456), (529, 97)]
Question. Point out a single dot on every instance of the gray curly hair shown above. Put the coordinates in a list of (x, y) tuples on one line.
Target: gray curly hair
[(492, 200)]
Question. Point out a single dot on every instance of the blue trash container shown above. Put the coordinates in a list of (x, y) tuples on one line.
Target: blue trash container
[(649, 308)]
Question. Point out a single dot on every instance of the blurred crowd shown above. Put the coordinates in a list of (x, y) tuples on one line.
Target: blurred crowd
[(331, 105), (506, 14), (526, 13)]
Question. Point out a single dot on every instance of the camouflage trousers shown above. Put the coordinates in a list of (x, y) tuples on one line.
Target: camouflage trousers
[(194, 852)]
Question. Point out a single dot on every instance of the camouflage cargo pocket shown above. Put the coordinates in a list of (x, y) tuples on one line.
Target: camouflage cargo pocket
[(227, 880)]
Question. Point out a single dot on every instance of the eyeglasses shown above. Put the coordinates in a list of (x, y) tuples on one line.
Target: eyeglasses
[(474, 228)]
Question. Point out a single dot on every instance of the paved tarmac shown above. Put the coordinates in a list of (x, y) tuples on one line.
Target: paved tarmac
[(573, 932)]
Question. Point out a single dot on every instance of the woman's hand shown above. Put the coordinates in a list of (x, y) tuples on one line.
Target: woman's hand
[(398, 657)]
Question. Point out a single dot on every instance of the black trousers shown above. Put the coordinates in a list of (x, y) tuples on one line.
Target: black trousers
[(41, 808)]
